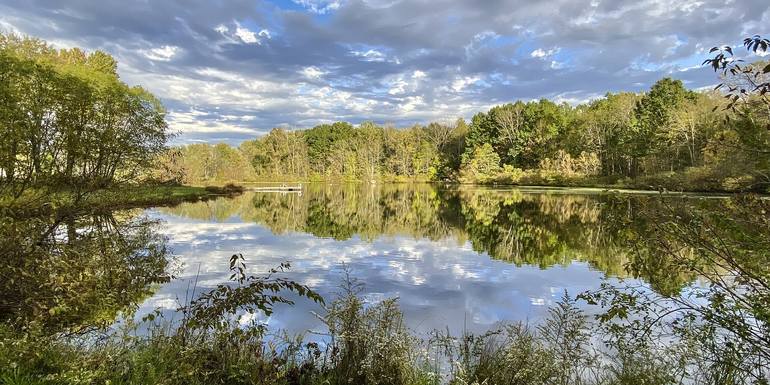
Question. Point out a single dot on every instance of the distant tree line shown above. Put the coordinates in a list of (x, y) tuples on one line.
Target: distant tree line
[(67, 119), (669, 136)]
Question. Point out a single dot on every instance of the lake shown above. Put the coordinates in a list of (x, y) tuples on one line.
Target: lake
[(457, 258), (463, 258)]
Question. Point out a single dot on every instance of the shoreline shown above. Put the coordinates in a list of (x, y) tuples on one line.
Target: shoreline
[(577, 189), (62, 202)]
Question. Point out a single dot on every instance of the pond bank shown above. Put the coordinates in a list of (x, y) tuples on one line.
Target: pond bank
[(550, 188), (43, 201)]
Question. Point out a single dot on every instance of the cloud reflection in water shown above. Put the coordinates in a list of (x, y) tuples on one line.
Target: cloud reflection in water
[(440, 283)]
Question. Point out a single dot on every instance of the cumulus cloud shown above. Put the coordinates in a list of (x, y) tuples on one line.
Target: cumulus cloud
[(312, 72), (240, 34), (541, 53), (370, 55), (295, 64), (164, 53), (319, 6), (461, 83), (248, 36)]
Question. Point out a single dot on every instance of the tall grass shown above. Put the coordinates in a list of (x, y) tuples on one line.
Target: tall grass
[(363, 344)]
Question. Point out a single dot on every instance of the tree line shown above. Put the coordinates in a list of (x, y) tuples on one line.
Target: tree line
[(668, 136), (66, 118)]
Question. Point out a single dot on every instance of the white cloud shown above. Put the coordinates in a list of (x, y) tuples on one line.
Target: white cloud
[(479, 41), (312, 72), (404, 50), (193, 121), (246, 35), (241, 34), (164, 53), (463, 82), (217, 74), (319, 6), (575, 98), (8, 27), (404, 83), (557, 65), (541, 53), (486, 35), (371, 55), (411, 103)]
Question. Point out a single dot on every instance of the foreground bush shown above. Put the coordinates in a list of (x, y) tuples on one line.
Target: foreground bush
[(364, 345)]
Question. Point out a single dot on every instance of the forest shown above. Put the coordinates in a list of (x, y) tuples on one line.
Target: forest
[(669, 137)]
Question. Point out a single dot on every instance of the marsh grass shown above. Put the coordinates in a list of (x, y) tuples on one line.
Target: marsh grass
[(363, 343)]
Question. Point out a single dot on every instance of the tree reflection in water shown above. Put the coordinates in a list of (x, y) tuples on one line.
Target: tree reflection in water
[(541, 229), (67, 274)]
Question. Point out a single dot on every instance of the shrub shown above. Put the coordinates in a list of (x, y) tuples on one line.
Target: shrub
[(482, 166), (369, 345)]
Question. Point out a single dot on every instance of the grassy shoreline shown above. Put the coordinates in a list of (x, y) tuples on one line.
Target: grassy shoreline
[(64, 201), (593, 188)]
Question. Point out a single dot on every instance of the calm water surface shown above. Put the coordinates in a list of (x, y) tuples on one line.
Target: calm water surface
[(464, 258)]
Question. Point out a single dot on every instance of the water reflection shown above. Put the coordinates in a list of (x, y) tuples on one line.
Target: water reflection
[(68, 273), (522, 228), (457, 258)]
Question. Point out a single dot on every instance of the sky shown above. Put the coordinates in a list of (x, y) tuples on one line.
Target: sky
[(228, 71)]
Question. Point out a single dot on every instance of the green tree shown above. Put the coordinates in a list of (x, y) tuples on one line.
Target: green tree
[(324, 143), (69, 119), (483, 164), (655, 113)]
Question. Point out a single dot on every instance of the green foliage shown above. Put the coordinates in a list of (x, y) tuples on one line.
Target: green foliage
[(654, 115), (723, 322), (369, 344), (741, 81), (212, 311), (558, 351), (201, 164), (66, 273), (67, 118), (278, 154), (339, 151), (520, 133), (668, 138), (482, 163), (324, 140), (587, 164)]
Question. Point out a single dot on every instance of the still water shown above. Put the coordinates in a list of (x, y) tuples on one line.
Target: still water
[(462, 259)]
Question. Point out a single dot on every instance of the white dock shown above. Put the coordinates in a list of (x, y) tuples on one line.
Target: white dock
[(281, 188)]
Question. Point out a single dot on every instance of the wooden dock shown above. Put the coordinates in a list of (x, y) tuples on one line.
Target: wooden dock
[(281, 188)]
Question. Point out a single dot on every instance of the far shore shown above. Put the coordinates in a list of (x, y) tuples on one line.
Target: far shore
[(556, 189)]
